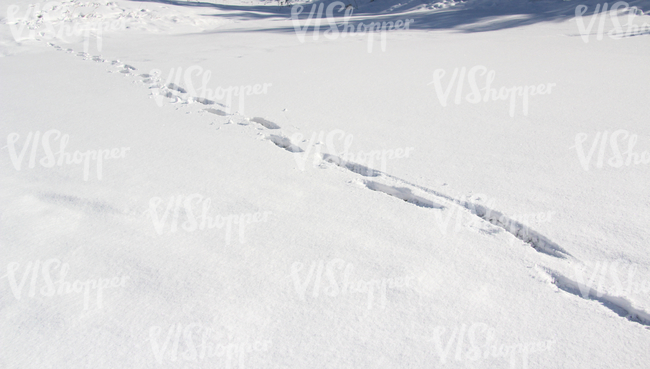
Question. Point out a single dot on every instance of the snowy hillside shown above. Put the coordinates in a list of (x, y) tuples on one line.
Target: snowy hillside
[(358, 184)]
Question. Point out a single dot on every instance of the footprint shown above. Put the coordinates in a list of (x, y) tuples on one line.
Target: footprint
[(403, 193), (265, 123), (351, 166), (617, 304), (203, 101), (522, 232), (284, 143), (175, 87), (216, 111)]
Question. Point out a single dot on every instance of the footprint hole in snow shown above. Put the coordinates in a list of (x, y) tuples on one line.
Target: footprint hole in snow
[(216, 111), (284, 142), (266, 123)]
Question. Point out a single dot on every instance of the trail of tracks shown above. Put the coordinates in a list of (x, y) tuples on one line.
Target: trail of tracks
[(425, 198)]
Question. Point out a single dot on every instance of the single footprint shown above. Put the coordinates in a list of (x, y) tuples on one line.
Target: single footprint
[(203, 101), (284, 143), (176, 87), (216, 111), (266, 123)]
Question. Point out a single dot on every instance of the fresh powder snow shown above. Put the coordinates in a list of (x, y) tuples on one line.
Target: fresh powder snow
[(337, 184)]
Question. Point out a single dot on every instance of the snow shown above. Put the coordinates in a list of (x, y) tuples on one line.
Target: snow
[(233, 194)]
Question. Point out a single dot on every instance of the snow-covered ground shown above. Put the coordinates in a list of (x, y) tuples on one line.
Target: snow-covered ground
[(228, 184)]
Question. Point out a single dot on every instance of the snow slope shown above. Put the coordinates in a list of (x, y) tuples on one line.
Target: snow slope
[(479, 241)]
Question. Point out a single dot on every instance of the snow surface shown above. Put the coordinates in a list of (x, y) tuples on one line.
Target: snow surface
[(353, 217)]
